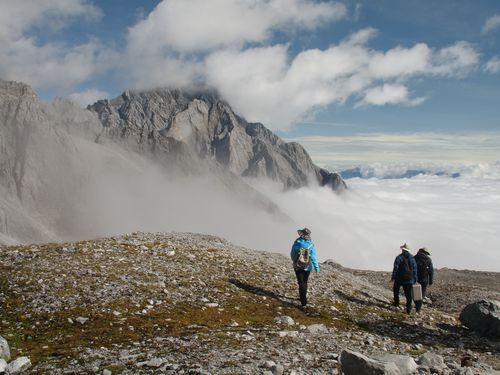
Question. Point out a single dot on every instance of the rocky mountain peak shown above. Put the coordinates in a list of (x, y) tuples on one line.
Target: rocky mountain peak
[(208, 128)]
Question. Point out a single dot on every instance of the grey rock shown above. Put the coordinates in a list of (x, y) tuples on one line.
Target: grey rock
[(483, 317), (3, 365), (405, 364), (277, 369), (284, 319), (317, 328), (354, 363), (432, 361), (288, 334), (82, 320), (4, 349), (18, 366), (201, 125), (155, 362), (107, 372)]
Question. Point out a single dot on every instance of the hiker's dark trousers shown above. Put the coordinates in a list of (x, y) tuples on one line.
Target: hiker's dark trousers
[(418, 304), (302, 277), (408, 294)]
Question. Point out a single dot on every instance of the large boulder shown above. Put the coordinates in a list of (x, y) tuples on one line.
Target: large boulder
[(482, 317), (404, 363), (4, 349), (354, 363), (432, 361), (19, 366)]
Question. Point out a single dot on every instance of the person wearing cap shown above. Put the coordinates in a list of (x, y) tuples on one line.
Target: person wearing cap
[(425, 273), (304, 241), (404, 274)]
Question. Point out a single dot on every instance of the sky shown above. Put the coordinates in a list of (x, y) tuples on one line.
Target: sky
[(319, 72)]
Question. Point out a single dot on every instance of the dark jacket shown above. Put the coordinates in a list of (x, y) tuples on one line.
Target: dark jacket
[(397, 270), (425, 268)]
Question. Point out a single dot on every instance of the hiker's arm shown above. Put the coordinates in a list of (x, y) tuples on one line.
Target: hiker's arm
[(293, 252), (314, 261), (395, 268), (431, 273)]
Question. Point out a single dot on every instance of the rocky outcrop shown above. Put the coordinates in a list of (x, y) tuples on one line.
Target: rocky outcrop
[(200, 124), (483, 317)]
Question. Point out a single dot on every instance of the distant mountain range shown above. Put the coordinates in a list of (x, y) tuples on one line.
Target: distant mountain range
[(358, 172), (54, 156)]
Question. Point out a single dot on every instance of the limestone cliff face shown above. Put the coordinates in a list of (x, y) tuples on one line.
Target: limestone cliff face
[(199, 125), (37, 161)]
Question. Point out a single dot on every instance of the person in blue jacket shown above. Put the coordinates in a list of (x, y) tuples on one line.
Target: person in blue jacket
[(404, 274), (304, 241)]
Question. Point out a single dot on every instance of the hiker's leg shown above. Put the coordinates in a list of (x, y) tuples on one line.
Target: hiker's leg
[(395, 289), (424, 290), (418, 304), (302, 277), (409, 296)]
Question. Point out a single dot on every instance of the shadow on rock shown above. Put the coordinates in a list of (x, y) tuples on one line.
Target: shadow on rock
[(442, 335)]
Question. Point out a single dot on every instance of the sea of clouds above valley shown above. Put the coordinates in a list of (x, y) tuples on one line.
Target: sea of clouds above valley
[(457, 219)]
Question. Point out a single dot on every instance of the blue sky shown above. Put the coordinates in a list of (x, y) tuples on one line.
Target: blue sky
[(305, 68)]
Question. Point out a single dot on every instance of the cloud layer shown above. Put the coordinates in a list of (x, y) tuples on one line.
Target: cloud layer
[(457, 219), (362, 149)]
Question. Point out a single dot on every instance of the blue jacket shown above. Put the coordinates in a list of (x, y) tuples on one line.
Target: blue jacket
[(396, 274), (294, 253)]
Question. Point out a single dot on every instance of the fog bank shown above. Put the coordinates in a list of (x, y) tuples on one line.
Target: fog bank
[(457, 219)]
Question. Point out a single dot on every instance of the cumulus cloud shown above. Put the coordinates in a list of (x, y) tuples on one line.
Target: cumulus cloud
[(279, 91), (491, 24), (493, 65), (48, 65), (389, 94), (194, 25), (87, 97)]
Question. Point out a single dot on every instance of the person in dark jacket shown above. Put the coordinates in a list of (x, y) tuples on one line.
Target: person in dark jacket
[(404, 274), (425, 273), (303, 242)]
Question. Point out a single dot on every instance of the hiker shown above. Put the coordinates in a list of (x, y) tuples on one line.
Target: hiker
[(303, 255), (425, 272), (404, 275)]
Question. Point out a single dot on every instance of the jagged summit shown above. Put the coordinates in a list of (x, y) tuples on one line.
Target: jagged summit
[(208, 128)]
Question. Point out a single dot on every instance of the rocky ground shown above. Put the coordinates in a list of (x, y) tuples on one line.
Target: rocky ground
[(195, 304)]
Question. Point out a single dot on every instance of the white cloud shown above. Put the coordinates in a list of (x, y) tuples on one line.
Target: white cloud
[(87, 97), (263, 84), (47, 65), (19, 16), (364, 227), (389, 94), (194, 25), (493, 65), (491, 24)]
